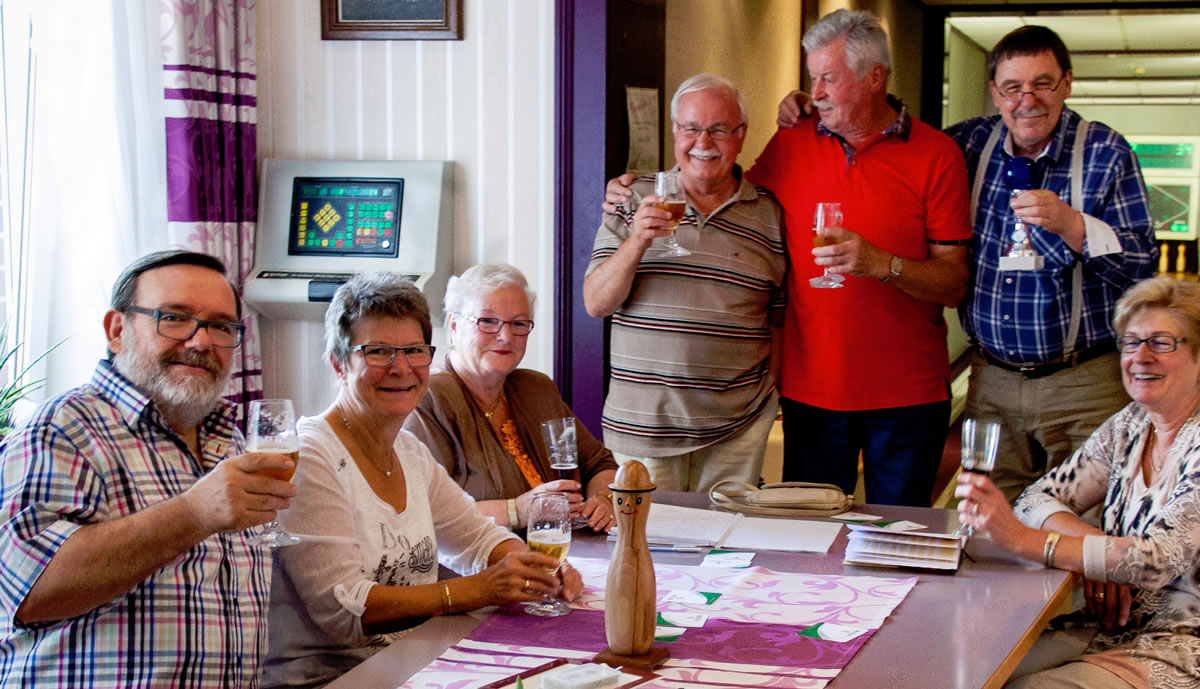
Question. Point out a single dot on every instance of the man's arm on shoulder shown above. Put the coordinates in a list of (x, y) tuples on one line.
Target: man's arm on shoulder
[(101, 561), (608, 283)]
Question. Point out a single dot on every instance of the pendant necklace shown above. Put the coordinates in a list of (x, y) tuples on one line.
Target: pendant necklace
[(386, 470), (488, 414)]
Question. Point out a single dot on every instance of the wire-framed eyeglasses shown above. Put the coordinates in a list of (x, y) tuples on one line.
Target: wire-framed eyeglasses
[(1014, 92), (716, 133), (1159, 344), (182, 327), (382, 356), (491, 326)]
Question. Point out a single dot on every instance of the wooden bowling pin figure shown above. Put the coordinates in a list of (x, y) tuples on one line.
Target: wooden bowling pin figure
[(629, 607)]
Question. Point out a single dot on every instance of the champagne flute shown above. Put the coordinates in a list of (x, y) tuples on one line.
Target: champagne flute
[(549, 533), (980, 441), (674, 201), (827, 215), (272, 428), (564, 453)]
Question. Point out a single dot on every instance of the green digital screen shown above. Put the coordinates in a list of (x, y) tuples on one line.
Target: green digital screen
[(1168, 156)]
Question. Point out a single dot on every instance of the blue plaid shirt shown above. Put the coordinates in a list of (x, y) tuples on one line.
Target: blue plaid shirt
[(100, 452), (1023, 316)]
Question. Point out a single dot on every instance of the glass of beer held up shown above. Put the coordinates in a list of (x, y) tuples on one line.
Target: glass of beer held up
[(826, 216), (272, 428), (674, 201)]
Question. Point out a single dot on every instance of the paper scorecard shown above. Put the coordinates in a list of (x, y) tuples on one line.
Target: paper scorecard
[(792, 535)]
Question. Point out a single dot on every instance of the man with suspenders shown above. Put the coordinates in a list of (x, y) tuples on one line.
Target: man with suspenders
[(1045, 363)]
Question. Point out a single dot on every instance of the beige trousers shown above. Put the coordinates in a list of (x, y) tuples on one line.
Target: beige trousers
[(1044, 419)]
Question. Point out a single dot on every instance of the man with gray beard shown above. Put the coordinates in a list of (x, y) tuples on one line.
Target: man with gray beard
[(694, 337), (127, 503)]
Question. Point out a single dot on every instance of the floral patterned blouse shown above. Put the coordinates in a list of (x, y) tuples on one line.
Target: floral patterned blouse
[(1152, 542)]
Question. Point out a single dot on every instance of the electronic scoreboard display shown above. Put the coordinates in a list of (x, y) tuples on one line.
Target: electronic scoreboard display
[(342, 216)]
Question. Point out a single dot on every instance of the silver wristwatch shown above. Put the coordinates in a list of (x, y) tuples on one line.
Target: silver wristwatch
[(894, 269)]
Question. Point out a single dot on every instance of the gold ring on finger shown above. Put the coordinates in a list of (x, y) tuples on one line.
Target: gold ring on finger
[(526, 586), (1099, 595)]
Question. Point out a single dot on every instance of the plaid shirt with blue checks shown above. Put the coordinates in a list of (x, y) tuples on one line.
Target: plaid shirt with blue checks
[(1023, 316), (101, 452)]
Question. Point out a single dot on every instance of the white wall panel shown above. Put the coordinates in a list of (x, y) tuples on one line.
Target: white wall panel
[(486, 103)]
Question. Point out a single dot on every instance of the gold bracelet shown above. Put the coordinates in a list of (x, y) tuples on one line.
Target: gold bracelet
[(514, 520), (1049, 547), (446, 601)]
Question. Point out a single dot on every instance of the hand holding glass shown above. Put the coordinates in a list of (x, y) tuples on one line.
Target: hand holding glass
[(674, 201), (564, 453), (549, 533), (980, 441), (827, 215), (272, 428)]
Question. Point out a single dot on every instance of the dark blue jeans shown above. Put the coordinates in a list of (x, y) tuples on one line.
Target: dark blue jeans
[(901, 448)]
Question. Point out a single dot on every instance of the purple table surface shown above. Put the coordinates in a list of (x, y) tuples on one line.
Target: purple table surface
[(962, 630)]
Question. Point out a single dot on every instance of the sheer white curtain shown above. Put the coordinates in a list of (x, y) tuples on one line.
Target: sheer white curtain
[(84, 169)]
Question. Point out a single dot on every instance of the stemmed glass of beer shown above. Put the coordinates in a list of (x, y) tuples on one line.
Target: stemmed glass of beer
[(827, 215), (272, 428), (549, 533), (674, 201)]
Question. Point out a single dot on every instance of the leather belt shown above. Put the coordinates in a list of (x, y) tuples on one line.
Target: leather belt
[(1049, 368)]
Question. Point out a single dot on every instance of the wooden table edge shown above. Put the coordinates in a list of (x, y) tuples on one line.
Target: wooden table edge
[(1014, 657)]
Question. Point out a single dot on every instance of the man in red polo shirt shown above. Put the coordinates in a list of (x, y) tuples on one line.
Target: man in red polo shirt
[(865, 367)]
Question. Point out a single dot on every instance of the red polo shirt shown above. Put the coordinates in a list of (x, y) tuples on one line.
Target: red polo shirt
[(867, 345)]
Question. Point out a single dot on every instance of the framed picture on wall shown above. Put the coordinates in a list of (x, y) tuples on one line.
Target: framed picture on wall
[(391, 20)]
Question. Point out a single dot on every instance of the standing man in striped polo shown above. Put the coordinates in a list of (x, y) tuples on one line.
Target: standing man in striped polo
[(694, 347)]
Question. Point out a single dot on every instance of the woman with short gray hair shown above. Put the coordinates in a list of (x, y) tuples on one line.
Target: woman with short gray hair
[(482, 417), (375, 509)]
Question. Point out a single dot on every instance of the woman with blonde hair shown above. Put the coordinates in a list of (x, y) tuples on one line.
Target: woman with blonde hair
[(1142, 468)]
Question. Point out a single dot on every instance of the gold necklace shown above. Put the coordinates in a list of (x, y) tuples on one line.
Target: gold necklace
[(385, 470), (488, 414)]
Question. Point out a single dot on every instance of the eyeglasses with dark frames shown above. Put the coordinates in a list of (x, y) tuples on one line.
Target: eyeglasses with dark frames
[(491, 326), (182, 327), (1159, 344), (382, 356), (1013, 92)]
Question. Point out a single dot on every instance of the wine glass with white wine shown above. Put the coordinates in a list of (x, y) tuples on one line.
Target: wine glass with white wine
[(549, 533)]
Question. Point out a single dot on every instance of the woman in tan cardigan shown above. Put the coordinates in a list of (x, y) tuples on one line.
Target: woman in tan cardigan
[(482, 416)]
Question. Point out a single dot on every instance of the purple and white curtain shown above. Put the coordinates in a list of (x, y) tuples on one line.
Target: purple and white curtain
[(209, 66)]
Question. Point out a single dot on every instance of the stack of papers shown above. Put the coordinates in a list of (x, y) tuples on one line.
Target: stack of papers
[(672, 525), (873, 546)]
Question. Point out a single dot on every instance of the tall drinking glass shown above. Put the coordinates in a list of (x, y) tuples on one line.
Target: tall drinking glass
[(980, 441), (272, 428), (564, 453), (549, 533), (826, 216), (666, 185)]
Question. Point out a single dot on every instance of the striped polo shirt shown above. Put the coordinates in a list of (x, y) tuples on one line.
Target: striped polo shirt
[(690, 346)]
